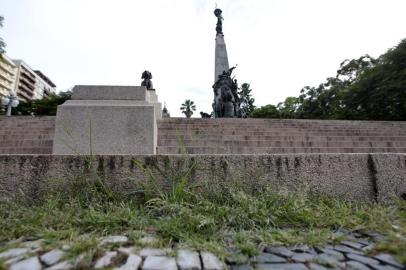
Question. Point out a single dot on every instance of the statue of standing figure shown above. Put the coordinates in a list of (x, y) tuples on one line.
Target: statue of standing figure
[(147, 76), (219, 26)]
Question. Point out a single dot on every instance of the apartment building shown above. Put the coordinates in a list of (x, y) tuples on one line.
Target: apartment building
[(45, 86), (25, 81), (8, 74), (31, 84)]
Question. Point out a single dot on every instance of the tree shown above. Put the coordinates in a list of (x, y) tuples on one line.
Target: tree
[(246, 101), (268, 111), (188, 107), (45, 106), (2, 43), (363, 89), (288, 108), (379, 93)]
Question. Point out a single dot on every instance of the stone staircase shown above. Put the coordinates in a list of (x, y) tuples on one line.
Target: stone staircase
[(34, 135), (26, 134), (277, 136)]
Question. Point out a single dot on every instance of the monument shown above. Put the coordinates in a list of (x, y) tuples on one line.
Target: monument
[(226, 102)]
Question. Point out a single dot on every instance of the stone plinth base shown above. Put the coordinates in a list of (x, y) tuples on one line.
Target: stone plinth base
[(152, 97), (106, 120)]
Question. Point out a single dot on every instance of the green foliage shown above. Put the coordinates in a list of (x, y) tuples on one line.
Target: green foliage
[(268, 111), (2, 43), (188, 107), (336, 99), (363, 89), (246, 101), (289, 108), (45, 106)]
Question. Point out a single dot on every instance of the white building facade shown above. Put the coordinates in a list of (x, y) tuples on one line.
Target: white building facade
[(8, 75), (31, 84)]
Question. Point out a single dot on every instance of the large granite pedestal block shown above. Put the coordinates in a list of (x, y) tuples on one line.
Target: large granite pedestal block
[(152, 97), (106, 120)]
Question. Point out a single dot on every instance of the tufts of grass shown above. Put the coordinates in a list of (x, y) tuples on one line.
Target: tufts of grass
[(87, 209)]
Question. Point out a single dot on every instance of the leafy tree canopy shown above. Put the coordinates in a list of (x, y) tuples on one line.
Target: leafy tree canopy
[(2, 43), (45, 106), (363, 89), (246, 100), (268, 111)]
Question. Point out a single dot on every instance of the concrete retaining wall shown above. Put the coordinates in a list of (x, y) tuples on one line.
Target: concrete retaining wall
[(370, 177)]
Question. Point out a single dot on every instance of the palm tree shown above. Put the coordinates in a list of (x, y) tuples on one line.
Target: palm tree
[(188, 107)]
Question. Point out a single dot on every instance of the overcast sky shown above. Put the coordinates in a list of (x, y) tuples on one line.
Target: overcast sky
[(279, 45)]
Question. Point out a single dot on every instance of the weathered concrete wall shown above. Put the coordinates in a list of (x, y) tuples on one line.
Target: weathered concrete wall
[(349, 176)]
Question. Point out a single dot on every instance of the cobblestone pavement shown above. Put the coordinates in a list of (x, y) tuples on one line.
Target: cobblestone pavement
[(117, 252)]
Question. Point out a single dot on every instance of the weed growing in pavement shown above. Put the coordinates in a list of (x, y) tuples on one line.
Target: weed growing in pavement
[(234, 219), (178, 178)]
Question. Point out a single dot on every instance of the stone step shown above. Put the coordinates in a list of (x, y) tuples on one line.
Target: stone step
[(27, 136), (285, 130), (278, 133), (21, 123), (30, 131), (34, 124), (296, 123), (279, 138), (26, 143), (26, 151), (317, 127), (271, 121), (257, 143), (253, 125), (282, 125), (275, 150), (26, 127)]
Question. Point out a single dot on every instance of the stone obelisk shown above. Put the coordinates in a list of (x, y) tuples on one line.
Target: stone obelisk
[(221, 59)]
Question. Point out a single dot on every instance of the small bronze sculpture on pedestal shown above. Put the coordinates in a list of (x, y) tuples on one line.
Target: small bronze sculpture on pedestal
[(147, 76)]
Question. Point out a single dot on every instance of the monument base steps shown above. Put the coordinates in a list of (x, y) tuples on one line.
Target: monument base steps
[(275, 136)]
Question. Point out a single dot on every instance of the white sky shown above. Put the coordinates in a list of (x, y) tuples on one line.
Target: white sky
[(279, 45)]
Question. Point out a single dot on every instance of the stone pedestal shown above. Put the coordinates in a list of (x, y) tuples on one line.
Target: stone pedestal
[(152, 97), (107, 120)]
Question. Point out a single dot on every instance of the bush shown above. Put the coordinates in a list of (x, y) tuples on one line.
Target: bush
[(45, 106)]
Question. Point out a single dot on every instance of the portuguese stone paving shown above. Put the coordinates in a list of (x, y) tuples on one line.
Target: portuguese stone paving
[(355, 252)]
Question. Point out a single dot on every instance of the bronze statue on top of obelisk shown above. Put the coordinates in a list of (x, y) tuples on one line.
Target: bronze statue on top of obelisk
[(219, 27)]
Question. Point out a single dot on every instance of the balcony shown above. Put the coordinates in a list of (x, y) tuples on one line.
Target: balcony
[(27, 76), (27, 90), (8, 70), (23, 96), (5, 85), (27, 83), (6, 77)]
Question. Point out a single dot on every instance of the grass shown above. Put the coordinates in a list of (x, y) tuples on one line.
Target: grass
[(86, 209)]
